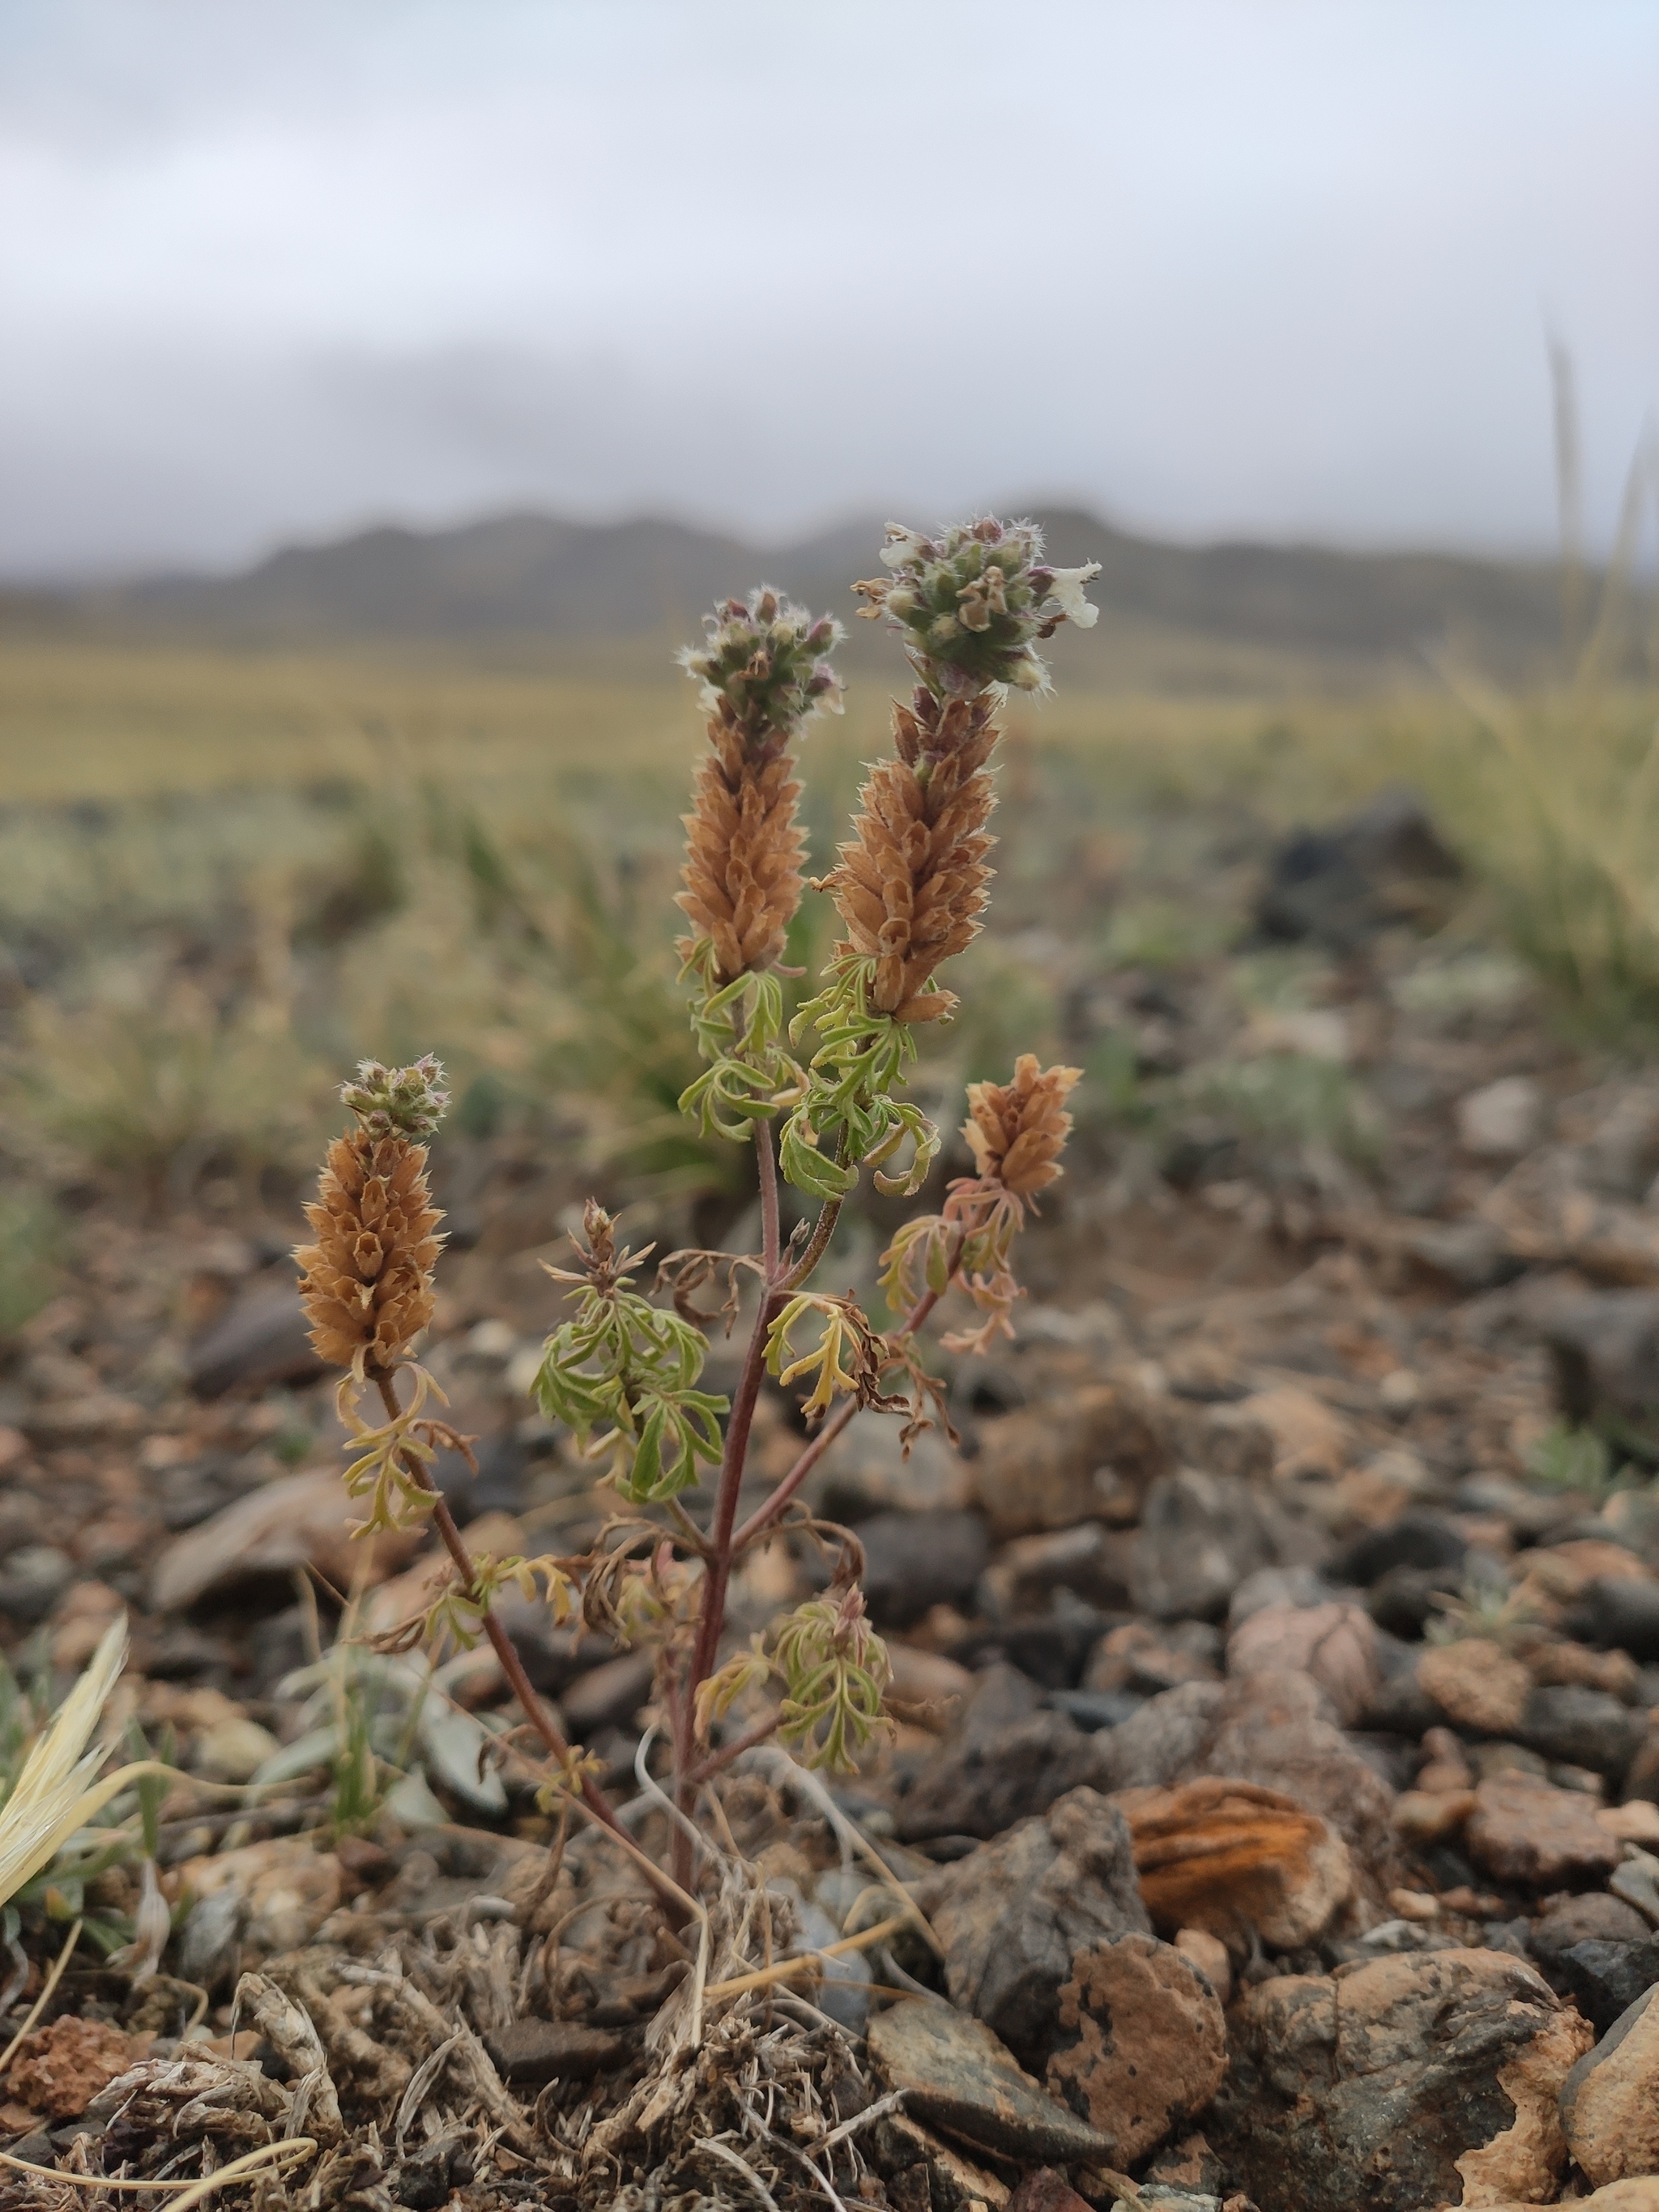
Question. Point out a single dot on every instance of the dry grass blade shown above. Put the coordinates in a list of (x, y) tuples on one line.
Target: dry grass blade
[(293, 2152), (55, 1794)]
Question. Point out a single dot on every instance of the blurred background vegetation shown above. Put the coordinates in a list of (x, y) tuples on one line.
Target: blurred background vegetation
[(239, 850)]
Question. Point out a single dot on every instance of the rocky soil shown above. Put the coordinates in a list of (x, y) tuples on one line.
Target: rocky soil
[(1273, 1813)]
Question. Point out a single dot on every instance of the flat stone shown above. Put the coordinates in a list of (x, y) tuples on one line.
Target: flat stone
[(1610, 2100), (554, 2049), (1526, 1831), (960, 2077), (1200, 1536), (264, 1338), (299, 1521), (1143, 2043)]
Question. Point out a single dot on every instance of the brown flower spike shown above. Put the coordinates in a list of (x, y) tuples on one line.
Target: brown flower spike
[(762, 678), (911, 884), (367, 1282), (1016, 1131)]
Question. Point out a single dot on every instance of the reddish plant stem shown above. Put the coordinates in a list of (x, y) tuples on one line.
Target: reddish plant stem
[(728, 1752), (500, 1643), (717, 1573)]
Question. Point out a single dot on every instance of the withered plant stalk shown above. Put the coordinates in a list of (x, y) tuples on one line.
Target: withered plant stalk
[(623, 1372)]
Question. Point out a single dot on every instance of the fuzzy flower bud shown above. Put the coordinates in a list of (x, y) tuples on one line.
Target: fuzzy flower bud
[(401, 1101), (1016, 1131), (762, 665), (762, 675), (972, 604)]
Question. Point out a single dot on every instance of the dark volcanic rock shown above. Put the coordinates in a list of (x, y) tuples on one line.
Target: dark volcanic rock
[(1581, 1727), (1415, 1540), (1622, 1612), (916, 1560), (983, 1784), (1605, 1980), (1013, 1916), (1339, 885), (1201, 1535), (264, 1338), (1604, 1346), (1387, 2086)]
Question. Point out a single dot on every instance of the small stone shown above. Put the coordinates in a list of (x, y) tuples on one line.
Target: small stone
[(1593, 1918), (234, 1750), (1200, 1536), (1637, 1881), (1422, 1541), (1142, 2046), (1445, 1764), (532, 2049), (1636, 1822), (1091, 1560), (1525, 1831), (1037, 1467), (1603, 1979), (926, 2174), (1237, 1861), (1610, 2100), (1501, 1121), (913, 1561), (1582, 1727), (1415, 1904), (866, 1470), (1013, 1915), (34, 1578), (979, 1783), (1209, 1955), (264, 1338), (1624, 1613), (1309, 1436), (59, 2069), (1045, 2190), (284, 1890), (1422, 1816), (1277, 1586), (958, 2077), (1335, 1643), (1476, 1684)]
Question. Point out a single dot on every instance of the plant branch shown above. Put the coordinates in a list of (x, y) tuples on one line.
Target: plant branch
[(766, 1513), (819, 1244), (500, 1643)]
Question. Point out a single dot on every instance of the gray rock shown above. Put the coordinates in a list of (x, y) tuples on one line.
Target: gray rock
[(1013, 1915), (956, 2076), (1277, 1586), (1621, 1611), (264, 1338), (979, 1783), (916, 1560), (1200, 1536), (1501, 1120), (1371, 2085), (1339, 885), (1604, 1979), (1604, 1348), (1582, 1727), (35, 1578)]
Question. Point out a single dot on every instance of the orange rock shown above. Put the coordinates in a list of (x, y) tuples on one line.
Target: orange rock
[(1308, 1439), (1477, 1684), (1524, 1831), (1423, 1816), (59, 2069), (1229, 1857), (1146, 2044)]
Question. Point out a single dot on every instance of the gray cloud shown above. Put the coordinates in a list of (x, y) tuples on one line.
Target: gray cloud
[(1225, 266)]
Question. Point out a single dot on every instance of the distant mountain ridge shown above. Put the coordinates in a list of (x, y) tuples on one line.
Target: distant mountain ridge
[(532, 577)]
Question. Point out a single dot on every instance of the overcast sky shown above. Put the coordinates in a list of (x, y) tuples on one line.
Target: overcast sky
[(273, 268)]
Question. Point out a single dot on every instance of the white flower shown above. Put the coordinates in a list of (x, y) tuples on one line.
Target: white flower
[(55, 1794), (1067, 588), (902, 546)]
